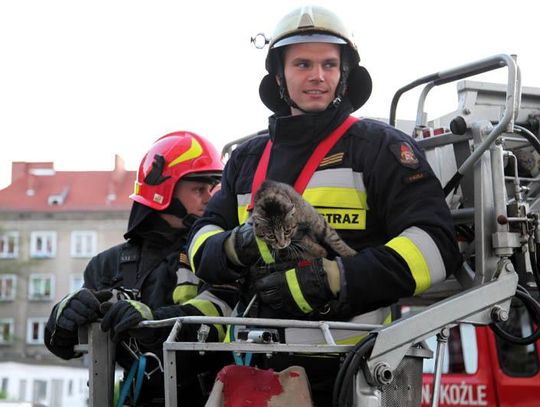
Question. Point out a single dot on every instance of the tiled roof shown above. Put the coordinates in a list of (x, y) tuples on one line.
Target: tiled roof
[(37, 187)]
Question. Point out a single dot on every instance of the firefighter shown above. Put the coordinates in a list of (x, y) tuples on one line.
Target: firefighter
[(373, 185), (149, 276)]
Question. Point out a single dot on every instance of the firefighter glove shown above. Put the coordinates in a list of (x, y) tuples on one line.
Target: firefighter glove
[(241, 246), (80, 308), (297, 291), (125, 315)]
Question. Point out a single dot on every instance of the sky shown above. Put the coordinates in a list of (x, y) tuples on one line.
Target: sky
[(81, 81)]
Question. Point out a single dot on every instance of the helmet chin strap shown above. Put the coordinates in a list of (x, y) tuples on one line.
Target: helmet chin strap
[(176, 208)]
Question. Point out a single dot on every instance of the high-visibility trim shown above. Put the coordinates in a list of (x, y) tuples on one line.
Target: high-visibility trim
[(223, 307), (242, 202), (208, 309), (265, 252), (199, 239), (341, 336), (296, 292), (338, 177), (183, 293), (184, 275), (142, 309), (336, 197), (430, 251), (412, 255)]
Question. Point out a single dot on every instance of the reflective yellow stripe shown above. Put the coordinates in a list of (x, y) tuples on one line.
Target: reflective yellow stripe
[(264, 251), (142, 308), (349, 219), (183, 293), (243, 214), (336, 197), (355, 339), (208, 309), (194, 151), (198, 243), (296, 292), (414, 259)]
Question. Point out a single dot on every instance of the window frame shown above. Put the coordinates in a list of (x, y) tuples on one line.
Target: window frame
[(41, 329), (41, 297), (11, 323), (86, 252), (46, 235), (4, 254), (13, 278)]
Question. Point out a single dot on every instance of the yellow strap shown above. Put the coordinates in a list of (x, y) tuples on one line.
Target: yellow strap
[(265, 251), (199, 242), (208, 309), (414, 259), (296, 292)]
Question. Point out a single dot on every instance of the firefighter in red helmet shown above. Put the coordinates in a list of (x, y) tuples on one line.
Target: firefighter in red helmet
[(148, 276)]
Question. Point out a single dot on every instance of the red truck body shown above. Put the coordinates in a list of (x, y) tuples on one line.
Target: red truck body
[(481, 369)]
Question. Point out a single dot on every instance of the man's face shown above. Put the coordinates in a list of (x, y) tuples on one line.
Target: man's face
[(312, 72), (194, 195)]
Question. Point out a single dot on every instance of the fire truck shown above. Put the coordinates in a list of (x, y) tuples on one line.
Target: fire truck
[(470, 341)]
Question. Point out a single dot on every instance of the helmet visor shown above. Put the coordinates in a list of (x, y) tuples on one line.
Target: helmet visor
[(311, 37)]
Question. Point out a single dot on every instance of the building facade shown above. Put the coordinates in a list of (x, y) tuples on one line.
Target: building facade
[(51, 224)]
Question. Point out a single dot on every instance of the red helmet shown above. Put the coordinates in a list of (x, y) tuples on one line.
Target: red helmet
[(174, 156)]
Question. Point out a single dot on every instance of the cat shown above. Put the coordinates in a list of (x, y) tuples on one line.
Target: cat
[(289, 225)]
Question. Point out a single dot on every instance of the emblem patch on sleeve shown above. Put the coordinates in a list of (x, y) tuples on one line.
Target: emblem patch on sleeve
[(404, 154)]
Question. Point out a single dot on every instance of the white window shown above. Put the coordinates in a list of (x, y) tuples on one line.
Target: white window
[(41, 287), (34, 330), (9, 245), (6, 331), (83, 243), (43, 244), (8, 286)]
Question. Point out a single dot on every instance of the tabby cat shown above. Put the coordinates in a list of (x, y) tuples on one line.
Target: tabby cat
[(291, 227)]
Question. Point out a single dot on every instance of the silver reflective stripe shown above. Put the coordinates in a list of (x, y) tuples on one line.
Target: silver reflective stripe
[(195, 243), (429, 250), (184, 275), (226, 311), (310, 336), (338, 177)]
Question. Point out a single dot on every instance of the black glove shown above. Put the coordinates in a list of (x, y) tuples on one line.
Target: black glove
[(125, 315), (80, 308), (241, 247), (296, 290)]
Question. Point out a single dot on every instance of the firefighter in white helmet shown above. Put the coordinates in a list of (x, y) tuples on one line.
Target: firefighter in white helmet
[(149, 274), (370, 181)]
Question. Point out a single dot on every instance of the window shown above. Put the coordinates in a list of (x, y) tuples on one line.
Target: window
[(41, 287), (461, 352), (8, 287), (76, 282), (9, 245), (6, 331), (43, 244), (34, 330), (39, 393), (83, 243), (517, 360)]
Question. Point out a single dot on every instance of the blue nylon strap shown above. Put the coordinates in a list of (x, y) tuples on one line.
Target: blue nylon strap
[(238, 360), (137, 367)]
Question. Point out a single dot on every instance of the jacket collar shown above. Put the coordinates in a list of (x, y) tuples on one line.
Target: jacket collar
[(309, 128)]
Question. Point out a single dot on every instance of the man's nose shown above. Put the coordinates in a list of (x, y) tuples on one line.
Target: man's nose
[(207, 195), (317, 73)]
